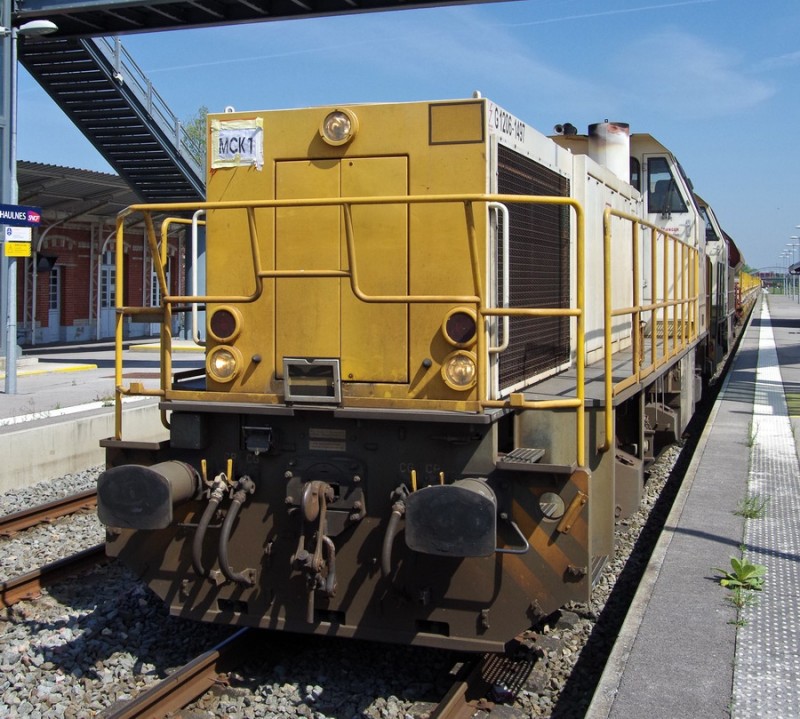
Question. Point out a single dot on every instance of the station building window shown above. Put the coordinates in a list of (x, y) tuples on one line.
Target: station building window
[(155, 289), (54, 293), (108, 281)]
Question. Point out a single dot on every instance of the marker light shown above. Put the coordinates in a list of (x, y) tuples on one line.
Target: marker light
[(459, 327), (339, 127), (225, 324), (459, 370), (223, 363)]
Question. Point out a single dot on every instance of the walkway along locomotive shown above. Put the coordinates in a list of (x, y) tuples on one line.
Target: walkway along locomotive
[(441, 349)]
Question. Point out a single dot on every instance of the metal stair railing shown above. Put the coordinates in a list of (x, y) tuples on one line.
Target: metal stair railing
[(126, 72), (186, 152)]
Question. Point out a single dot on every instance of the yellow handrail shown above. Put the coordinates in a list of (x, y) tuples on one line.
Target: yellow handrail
[(685, 271), (478, 299)]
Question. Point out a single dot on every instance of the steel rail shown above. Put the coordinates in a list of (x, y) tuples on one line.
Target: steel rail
[(466, 693), (29, 586), (482, 682), (10, 524), (189, 682)]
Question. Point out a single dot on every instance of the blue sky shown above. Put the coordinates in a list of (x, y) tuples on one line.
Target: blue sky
[(717, 81)]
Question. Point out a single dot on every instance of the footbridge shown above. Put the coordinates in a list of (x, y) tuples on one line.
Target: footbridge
[(102, 90)]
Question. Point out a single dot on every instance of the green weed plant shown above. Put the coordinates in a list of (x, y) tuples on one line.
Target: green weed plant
[(744, 575), (752, 507)]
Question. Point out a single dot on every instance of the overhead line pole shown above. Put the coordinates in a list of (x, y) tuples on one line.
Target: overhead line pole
[(6, 161), (10, 195)]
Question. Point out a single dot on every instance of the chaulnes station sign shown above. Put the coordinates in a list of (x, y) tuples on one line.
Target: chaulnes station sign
[(18, 221), (20, 215)]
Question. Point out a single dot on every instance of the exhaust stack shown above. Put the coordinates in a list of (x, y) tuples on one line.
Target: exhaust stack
[(610, 146)]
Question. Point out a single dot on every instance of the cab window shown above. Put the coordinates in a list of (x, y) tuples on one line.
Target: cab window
[(711, 235), (636, 173), (663, 195)]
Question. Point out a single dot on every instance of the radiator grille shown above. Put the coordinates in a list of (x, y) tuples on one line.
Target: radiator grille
[(539, 269)]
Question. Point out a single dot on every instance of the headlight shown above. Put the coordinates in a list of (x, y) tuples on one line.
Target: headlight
[(339, 127), (224, 324), (460, 327), (459, 370), (223, 363)]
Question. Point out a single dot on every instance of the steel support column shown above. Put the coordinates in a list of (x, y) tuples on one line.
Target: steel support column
[(6, 172)]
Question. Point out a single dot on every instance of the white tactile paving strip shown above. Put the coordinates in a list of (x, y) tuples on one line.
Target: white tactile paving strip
[(766, 680)]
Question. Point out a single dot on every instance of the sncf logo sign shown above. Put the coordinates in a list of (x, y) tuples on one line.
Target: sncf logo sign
[(20, 215)]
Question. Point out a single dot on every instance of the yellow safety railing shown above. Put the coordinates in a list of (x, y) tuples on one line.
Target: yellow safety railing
[(681, 269), (478, 299)]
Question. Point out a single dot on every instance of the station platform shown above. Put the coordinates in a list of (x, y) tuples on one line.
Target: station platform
[(62, 379), (64, 405), (685, 650)]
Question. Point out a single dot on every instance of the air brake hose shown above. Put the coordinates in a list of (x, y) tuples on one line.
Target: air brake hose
[(398, 510), (200, 533), (244, 486)]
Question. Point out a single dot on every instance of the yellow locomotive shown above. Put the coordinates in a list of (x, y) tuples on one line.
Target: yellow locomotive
[(441, 350)]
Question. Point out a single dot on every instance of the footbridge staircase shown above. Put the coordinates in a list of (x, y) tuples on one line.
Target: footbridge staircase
[(108, 97)]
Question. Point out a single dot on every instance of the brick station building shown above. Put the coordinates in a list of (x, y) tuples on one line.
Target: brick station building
[(66, 289)]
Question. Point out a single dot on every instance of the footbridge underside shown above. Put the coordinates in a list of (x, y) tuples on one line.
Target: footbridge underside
[(118, 17)]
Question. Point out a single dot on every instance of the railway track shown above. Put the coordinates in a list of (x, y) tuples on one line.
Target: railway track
[(466, 695), (29, 585), (212, 668), (483, 682), (478, 680), (476, 688), (10, 524), (190, 681)]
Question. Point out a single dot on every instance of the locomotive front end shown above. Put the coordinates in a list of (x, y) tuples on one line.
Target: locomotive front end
[(383, 282)]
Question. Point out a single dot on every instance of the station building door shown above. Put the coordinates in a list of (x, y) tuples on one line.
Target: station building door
[(52, 333)]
